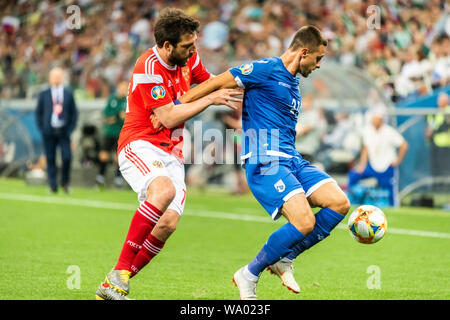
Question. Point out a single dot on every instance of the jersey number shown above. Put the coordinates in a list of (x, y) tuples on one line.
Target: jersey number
[(295, 106)]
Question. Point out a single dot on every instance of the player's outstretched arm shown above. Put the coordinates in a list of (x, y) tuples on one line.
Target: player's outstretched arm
[(223, 80), (172, 115)]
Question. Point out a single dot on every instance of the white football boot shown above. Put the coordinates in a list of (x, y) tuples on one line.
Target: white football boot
[(285, 270), (247, 288)]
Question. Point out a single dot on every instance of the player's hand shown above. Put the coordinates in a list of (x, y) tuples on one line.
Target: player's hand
[(226, 97), (395, 164), (157, 124), (360, 168)]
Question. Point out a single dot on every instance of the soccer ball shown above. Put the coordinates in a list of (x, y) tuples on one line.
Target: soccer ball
[(367, 224)]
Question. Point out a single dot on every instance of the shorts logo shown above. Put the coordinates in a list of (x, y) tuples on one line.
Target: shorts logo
[(158, 92), (246, 69), (280, 186), (157, 164)]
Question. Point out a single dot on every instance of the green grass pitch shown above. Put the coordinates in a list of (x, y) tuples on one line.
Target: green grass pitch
[(49, 242)]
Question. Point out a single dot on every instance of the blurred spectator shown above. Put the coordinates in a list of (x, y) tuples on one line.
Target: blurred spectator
[(114, 116), (379, 156), (215, 33), (440, 61), (310, 128), (335, 139), (438, 133), (411, 75), (338, 146), (89, 143), (36, 170), (10, 24), (56, 116)]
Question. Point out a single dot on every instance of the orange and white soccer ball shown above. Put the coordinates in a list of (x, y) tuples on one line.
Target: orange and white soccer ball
[(367, 224)]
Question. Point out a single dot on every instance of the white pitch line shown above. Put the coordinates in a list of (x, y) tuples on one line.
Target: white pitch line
[(420, 233), (67, 201), (190, 211), (342, 226)]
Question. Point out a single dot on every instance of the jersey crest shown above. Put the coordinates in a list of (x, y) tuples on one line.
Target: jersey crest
[(280, 186), (186, 72)]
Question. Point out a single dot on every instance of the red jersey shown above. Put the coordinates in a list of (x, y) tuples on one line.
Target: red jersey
[(153, 84)]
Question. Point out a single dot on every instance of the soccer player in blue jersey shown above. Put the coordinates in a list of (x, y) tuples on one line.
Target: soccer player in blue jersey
[(280, 179)]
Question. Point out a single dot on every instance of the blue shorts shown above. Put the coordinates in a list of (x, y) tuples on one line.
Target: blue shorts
[(274, 180)]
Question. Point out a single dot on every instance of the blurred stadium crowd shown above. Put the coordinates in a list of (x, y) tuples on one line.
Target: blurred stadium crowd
[(407, 50)]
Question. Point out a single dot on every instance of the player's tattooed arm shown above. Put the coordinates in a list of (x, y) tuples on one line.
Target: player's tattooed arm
[(222, 81)]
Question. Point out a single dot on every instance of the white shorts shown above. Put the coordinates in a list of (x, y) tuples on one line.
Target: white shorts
[(140, 162)]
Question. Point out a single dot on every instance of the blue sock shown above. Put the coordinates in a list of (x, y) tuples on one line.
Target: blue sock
[(276, 247), (326, 220)]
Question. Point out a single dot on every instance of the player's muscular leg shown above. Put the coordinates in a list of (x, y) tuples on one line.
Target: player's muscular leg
[(166, 225), (298, 212), (161, 192), (330, 196)]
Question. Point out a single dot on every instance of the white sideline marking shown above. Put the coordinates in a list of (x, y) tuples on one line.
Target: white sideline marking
[(342, 226), (190, 212), (67, 201)]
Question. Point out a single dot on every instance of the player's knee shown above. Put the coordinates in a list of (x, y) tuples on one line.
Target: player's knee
[(305, 223), (162, 189), (341, 205), (308, 224), (169, 193)]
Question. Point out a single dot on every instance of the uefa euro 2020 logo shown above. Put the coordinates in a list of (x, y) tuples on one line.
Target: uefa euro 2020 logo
[(158, 92), (246, 69)]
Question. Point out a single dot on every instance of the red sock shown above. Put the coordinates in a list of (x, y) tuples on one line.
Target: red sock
[(142, 224), (150, 248)]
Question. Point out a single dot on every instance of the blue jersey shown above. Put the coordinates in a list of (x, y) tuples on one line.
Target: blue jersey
[(270, 108), (274, 169)]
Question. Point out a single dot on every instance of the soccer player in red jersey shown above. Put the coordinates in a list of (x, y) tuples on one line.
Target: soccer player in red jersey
[(150, 158)]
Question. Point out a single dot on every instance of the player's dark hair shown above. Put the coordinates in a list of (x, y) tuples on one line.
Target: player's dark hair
[(308, 37), (171, 24)]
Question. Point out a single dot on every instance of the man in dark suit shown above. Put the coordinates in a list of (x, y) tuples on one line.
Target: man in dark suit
[(56, 116)]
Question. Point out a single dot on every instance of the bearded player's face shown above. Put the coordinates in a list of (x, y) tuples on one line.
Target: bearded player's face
[(184, 50)]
